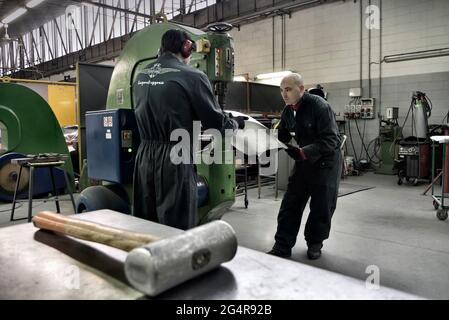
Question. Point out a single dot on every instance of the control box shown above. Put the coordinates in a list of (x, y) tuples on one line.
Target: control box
[(367, 108), (112, 140), (360, 109)]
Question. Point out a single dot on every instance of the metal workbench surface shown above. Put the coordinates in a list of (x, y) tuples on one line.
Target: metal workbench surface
[(37, 264)]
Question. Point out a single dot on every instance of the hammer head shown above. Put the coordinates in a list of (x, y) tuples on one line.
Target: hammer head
[(166, 263)]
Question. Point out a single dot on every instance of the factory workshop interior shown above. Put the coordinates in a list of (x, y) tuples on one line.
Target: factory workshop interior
[(348, 200)]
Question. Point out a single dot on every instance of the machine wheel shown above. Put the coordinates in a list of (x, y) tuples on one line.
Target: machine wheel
[(220, 27), (400, 181), (442, 214), (101, 197), (435, 204)]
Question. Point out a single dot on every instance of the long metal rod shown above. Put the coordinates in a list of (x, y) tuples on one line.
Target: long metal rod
[(113, 20), (94, 26), (35, 46), (272, 10), (76, 32), (60, 36), (135, 17), (48, 43), (113, 8), (24, 49)]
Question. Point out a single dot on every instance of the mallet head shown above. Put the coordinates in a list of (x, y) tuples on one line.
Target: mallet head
[(166, 263)]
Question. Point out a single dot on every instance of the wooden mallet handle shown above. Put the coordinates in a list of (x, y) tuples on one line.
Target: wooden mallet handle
[(90, 231)]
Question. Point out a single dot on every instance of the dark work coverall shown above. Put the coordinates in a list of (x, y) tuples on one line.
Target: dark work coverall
[(316, 178), (170, 95)]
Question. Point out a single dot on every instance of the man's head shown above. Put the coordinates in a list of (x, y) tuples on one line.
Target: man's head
[(179, 43), (292, 88)]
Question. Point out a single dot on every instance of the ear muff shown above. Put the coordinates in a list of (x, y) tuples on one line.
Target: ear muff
[(187, 48)]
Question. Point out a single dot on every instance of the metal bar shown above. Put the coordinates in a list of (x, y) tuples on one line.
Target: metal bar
[(125, 10), (55, 190), (85, 17), (113, 20), (182, 7), (190, 7), (94, 26), (135, 17), (30, 193), (35, 46), (443, 175), (126, 5), (15, 194), (76, 32), (12, 62), (48, 42), (24, 49), (433, 167), (105, 23), (163, 6), (42, 82), (152, 9), (60, 36), (55, 39)]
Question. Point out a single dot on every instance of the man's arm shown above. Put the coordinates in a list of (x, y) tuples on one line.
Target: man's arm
[(207, 108), (284, 127), (327, 140)]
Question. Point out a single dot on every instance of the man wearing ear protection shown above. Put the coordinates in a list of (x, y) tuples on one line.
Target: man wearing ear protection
[(170, 95)]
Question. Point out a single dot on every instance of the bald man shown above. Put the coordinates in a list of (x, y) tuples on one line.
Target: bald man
[(316, 172)]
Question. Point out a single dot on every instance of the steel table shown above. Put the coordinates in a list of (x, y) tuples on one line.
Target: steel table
[(36, 264)]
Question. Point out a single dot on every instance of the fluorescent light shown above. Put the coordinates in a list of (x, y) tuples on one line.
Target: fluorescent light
[(240, 79), (13, 16), (33, 3), (417, 55), (273, 75)]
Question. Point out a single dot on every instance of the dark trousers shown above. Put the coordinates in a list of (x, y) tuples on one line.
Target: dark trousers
[(323, 201)]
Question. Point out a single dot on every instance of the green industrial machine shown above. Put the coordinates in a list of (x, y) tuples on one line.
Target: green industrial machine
[(27, 126), (215, 57)]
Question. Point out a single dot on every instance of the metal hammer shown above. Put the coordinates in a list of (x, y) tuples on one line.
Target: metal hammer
[(154, 265)]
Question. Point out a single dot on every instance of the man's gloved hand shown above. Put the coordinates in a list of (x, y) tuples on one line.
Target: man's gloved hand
[(296, 153), (240, 120)]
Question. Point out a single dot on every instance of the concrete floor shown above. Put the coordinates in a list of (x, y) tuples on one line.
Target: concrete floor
[(392, 227)]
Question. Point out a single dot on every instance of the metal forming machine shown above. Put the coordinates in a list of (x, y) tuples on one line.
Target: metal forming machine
[(112, 135)]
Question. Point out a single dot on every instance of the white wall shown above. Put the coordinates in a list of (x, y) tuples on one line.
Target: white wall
[(323, 43)]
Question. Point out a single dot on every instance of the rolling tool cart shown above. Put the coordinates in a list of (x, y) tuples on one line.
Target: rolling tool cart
[(441, 201)]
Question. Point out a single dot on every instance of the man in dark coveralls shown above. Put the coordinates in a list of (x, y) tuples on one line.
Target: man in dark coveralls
[(316, 172), (170, 95)]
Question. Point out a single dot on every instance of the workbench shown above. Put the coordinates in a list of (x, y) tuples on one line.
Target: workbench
[(36, 264)]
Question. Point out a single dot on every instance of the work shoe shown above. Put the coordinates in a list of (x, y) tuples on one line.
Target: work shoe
[(280, 253), (314, 250)]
